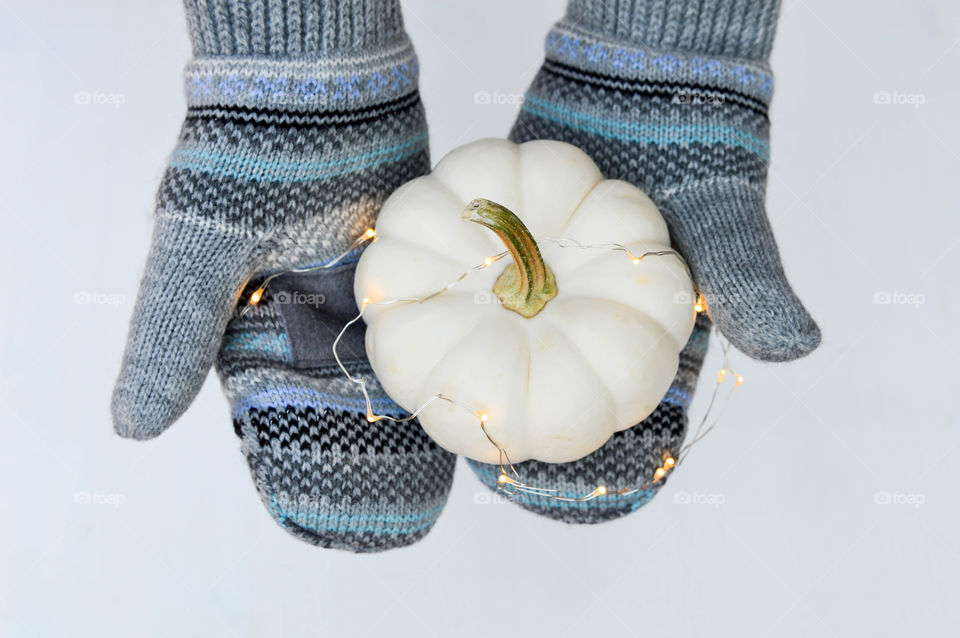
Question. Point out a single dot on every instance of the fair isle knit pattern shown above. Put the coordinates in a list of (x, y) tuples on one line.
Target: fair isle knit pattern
[(629, 459), (325, 474), (673, 96), (303, 117), (298, 87)]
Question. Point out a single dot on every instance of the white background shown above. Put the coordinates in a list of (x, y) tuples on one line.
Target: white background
[(864, 199)]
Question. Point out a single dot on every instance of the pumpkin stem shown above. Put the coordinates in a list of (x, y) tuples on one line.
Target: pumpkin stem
[(527, 284)]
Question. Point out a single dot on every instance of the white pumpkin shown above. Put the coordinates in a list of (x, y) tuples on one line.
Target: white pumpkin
[(555, 379)]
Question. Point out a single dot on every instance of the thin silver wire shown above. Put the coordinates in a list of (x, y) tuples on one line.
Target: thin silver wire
[(505, 483)]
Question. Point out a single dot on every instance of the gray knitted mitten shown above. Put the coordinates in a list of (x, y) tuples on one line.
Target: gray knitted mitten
[(303, 117), (671, 96)]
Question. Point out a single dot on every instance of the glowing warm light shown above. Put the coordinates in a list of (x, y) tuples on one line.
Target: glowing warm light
[(503, 480)]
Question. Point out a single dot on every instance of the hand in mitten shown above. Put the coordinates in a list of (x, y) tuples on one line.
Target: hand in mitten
[(303, 117), (672, 97)]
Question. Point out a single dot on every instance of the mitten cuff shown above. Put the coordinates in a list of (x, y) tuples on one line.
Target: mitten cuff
[(293, 29), (741, 29), (711, 50), (298, 55)]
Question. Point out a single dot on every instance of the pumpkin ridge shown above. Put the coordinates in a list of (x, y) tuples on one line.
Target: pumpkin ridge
[(636, 311), (529, 362), (436, 178), (516, 176), (639, 315), (446, 355), (573, 211), (422, 249), (585, 362), (384, 322), (647, 245), (430, 243)]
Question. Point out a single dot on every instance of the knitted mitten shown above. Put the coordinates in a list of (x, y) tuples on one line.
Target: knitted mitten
[(672, 96), (303, 116)]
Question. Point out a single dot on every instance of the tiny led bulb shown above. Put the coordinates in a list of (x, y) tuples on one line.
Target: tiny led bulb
[(503, 479), (483, 417), (636, 260), (669, 462), (698, 306), (364, 303), (721, 375), (256, 296), (660, 472), (487, 261), (601, 490), (370, 234), (371, 417), (739, 379)]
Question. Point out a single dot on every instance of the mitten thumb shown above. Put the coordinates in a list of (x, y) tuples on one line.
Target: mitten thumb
[(190, 286), (721, 229)]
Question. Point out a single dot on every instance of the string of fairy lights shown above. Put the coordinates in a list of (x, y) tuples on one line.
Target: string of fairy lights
[(509, 480)]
